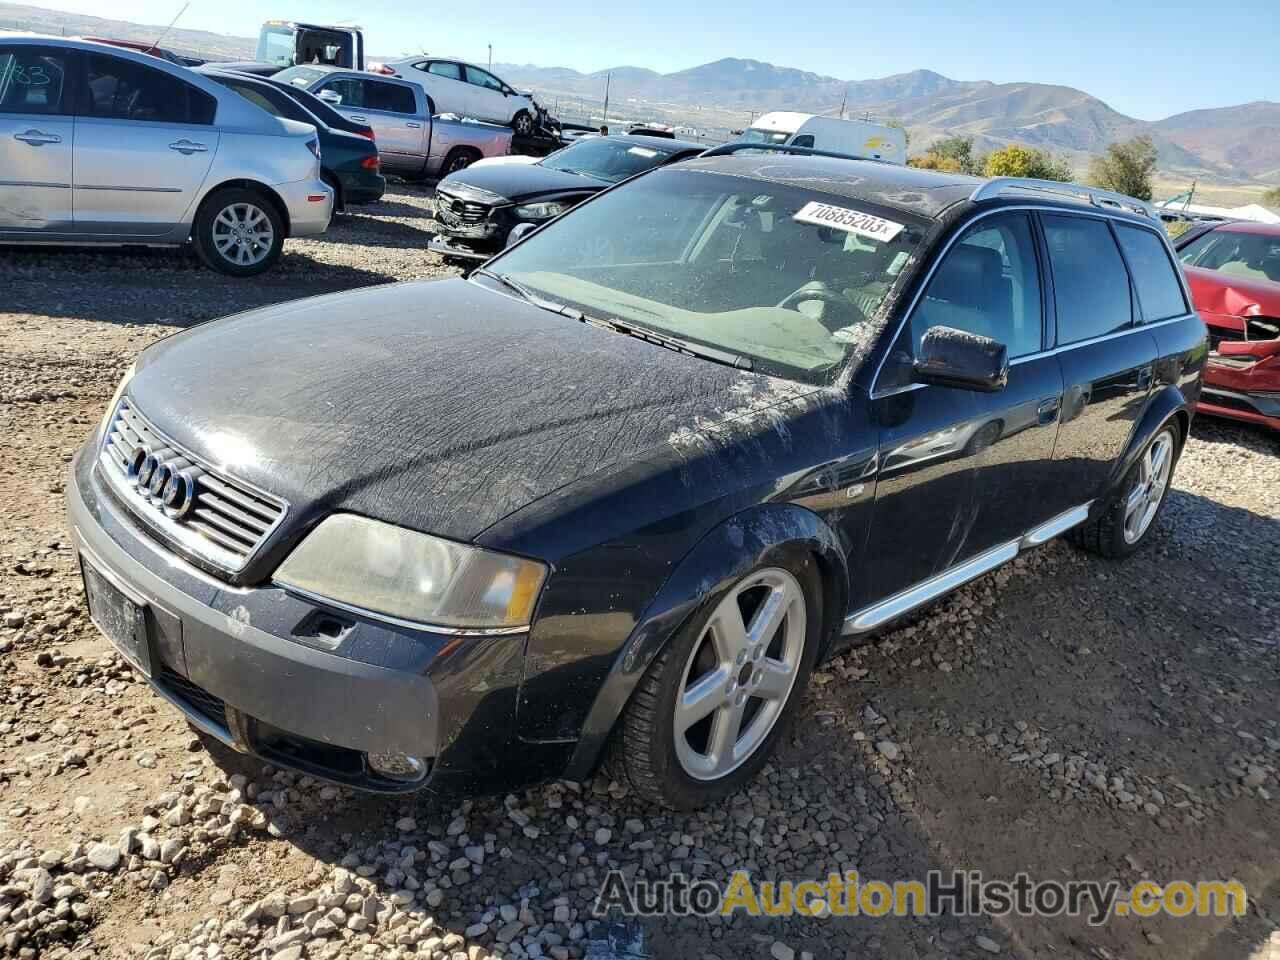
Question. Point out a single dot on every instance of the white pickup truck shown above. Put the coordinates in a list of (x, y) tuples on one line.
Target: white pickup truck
[(411, 141)]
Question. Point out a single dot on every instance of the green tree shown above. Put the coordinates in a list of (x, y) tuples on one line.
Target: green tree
[(1016, 160), (1126, 167), (959, 149), (931, 160), (1272, 198)]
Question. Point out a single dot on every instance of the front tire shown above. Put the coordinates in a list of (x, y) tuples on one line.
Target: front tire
[(522, 124), (238, 232), (1123, 527), (710, 708)]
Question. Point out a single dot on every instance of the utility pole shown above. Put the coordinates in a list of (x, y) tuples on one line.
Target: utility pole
[(608, 77), (844, 102), (491, 56)]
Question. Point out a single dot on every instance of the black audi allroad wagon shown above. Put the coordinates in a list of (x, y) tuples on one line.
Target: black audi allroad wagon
[(618, 491)]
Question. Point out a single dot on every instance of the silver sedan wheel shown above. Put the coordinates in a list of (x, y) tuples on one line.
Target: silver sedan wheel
[(739, 674), (1144, 498), (242, 234)]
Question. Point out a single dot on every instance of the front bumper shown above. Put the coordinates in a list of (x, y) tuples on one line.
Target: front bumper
[(457, 250), (1242, 391), (307, 216), (307, 687)]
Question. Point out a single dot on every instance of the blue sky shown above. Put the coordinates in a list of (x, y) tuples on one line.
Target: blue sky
[(1146, 59)]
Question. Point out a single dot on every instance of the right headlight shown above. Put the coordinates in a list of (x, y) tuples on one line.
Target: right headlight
[(388, 571), (541, 211)]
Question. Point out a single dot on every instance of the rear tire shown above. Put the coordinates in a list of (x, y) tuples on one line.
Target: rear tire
[(238, 232), (459, 158), (1123, 526), (708, 712)]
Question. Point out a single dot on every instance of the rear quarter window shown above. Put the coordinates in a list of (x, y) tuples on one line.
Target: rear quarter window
[(1159, 292), (1090, 282), (391, 97)]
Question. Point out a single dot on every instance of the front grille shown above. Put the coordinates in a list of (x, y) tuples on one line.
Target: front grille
[(200, 510), (457, 210), (197, 698)]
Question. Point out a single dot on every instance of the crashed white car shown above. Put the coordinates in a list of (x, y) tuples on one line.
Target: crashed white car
[(467, 90)]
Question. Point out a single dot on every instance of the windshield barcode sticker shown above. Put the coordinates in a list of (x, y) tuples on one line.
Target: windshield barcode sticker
[(851, 221)]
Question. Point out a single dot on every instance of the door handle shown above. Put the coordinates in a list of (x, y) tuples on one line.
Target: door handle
[(1145, 376), (188, 147), (37, 138), (359, 119), (1047, 412), (414, 126)]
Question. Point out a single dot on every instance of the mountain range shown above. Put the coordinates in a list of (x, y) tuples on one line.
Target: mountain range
[(1238, 145)]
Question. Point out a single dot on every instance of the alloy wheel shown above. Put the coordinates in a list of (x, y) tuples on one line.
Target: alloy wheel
[(739, 674), (1143, 499), (242, 234)]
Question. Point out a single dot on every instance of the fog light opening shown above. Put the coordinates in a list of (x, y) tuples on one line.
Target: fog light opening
[(398, 766)]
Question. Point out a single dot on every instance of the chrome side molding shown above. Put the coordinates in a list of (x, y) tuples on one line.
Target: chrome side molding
[(868, 618)]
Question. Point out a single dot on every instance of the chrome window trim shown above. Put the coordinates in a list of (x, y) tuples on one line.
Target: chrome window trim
[(959, 231), (904, 601)]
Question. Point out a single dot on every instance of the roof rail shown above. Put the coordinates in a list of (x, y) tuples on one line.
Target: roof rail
[(725, 149), (1002, 186)]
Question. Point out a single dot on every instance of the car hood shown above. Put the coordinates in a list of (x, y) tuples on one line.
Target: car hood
[(1224, 295), (441, 406), (514, 181)]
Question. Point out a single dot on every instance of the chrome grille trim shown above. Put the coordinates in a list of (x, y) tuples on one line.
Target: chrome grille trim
[(462, 210), (228, 520)]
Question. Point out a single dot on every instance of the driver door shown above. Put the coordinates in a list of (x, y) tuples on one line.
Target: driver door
[(960, 470)]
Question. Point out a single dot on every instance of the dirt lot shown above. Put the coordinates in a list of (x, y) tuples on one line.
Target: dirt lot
[(1065, 716)]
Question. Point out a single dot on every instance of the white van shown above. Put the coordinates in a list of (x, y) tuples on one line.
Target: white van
[(859, 138)]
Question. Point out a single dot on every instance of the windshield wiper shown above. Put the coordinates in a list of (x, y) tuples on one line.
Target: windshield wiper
[(677, 344), (528, 295)]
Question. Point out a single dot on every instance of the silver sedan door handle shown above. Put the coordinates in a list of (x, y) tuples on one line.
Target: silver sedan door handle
[(414, 126), (36, 138), (188, 147), (358, 119)]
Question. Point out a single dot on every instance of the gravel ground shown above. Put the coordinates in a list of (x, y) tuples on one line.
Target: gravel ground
[(1065, 716)]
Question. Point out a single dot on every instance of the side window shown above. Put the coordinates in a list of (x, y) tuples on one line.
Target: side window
[(254, 96), (988, 284), (479, 78), (803, 141), (1159, 293), (450, 71), (1090, 282), (349, 89), (391, 97), (123, 90), (33, 81)]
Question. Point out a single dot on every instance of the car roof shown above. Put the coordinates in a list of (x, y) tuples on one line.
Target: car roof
[(926, 193), (1250, 226), (664, 144)]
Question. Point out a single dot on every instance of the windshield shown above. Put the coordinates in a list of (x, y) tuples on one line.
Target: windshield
[(605, 159), (276, 45), (754, 135), (1253, 255), (299, 76), (789, 278)]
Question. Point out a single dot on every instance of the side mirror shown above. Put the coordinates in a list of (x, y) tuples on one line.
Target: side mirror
[(955, 358), (330, 97), (519, 232)]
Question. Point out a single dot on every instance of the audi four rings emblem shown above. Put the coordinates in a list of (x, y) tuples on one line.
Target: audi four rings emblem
[(165, 475)]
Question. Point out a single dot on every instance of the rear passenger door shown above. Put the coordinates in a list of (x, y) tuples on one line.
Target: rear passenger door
[(144, 143), (960, 470), (1107, 358), (37, 130)]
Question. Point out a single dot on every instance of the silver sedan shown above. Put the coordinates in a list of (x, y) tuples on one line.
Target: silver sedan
[(100, 145)]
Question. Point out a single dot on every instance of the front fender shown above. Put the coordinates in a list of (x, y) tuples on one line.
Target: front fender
[(1168, 403), (724, 555)]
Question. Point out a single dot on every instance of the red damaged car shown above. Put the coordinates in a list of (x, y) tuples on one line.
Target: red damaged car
[(1234, 273)]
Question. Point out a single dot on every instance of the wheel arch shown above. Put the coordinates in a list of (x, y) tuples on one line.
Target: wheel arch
[(720, 558), (1167, 405), (256, 186)]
